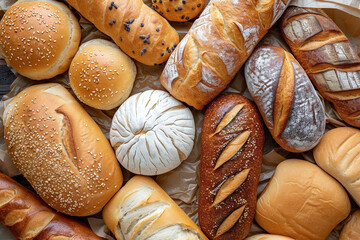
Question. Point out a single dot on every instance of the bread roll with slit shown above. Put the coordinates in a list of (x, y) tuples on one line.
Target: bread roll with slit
[(338, 154), (232, 142), (351, 229), (138, 30), (60, 150), (142, 210), (216, 46), (287, 100), (28, 217), (327, 56)]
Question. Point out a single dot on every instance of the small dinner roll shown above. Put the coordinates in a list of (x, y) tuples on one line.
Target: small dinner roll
[(39, 38), (101, 75), (152, 133)]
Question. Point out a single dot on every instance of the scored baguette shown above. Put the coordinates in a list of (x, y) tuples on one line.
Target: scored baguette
[(232, 142), (137, 29), (327, 56), (28, 217)]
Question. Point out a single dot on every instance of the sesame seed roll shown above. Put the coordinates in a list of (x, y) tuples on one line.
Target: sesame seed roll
[(39, 38), (101, 75), (60, 150)]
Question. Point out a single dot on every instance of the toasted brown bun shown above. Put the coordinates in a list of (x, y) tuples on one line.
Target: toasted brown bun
[(39, 38), (101, 75), (60, 150), (302, 201), (351, 230)]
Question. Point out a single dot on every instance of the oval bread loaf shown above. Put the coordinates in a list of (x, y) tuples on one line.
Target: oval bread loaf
[(268, 237), (287, 100), (142, 210), (232, 142), (351, 230), (60, 150)]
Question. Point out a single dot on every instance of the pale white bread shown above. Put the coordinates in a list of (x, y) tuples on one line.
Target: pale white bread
[(101, 75), (60, 150), (351, 230), (268, 237), (142, 210), (302, 201), (338, 154), (152, 133), (39, 38), (286, 98)]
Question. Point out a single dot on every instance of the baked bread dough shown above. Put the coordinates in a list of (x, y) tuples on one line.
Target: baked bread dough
[(152, 133)]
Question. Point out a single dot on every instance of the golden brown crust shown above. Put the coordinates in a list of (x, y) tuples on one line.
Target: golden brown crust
[(39, 38), (268, 237), (232, 133), (60, 150), (28, 217), (351, 230), (287, 100), (327, 56), (178, 10), (144, 209), (101, 75), (216, 47), (137, 29)]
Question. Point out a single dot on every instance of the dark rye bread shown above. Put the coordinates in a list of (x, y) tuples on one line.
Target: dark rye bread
[(28, 217), (232, 142)]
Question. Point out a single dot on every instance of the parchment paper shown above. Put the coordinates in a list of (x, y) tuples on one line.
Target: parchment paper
[(182, 183)]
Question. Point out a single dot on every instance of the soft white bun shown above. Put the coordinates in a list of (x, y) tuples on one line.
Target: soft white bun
[(302, 201), (152, 133), (338, 154), (268, 237), (351, 230), (101, 75), (142, 209), (39, 38)]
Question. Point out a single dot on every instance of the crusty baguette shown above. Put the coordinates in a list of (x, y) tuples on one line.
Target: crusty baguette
[(138, 30), (216, 46), (327, 56), (60, 150), (143, 210), (178, 10), (287, 100), (28, 217), (232, 142)]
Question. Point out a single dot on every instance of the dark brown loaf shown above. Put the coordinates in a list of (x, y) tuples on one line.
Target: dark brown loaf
[(137, 29), (287, 100), (328, 58), (216, 47), (232, 142), (28, 217)]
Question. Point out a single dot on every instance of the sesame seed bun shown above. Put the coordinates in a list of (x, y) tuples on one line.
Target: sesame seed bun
[(60, 150), (39, 38), (101, 75)]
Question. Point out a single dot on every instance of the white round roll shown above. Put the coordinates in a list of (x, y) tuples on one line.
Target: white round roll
[(152, 133)]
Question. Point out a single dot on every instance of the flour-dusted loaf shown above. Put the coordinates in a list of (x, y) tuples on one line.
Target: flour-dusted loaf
[(351, 229), (338, 154), (101, 75), (60, 150), (152, 133), (178, 10), (216, 47), (327, 56), (28, 217), (142, 210), (39, 38), (232, 142), (137, 29), (287, 100), (302, 201)]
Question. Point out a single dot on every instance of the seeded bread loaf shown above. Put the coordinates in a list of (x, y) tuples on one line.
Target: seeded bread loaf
[(232, 142), (328, 58), (60, 150), (137, 29), (28, 217), (216, 47), (178, 10), (142, 210), (287, 100)]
